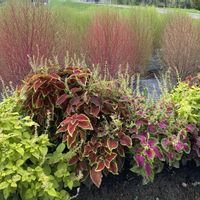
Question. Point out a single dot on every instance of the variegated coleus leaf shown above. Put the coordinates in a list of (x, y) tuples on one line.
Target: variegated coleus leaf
[(70, 124), (108, 161), (96, 177), (124, 139), (150, 147)]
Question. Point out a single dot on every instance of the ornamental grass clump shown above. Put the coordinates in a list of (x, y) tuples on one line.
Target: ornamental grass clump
[(25, 31), (147, 25), (111, 42), (180, 47)]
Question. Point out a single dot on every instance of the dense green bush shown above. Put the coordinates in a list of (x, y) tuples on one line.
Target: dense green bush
[(187, 101), (28, 171)]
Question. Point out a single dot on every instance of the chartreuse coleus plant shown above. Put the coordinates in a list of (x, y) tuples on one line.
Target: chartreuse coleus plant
[(158, 136), (93, 122), (28, 171)]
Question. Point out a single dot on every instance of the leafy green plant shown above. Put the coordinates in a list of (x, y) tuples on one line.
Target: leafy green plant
[(187, 101), (28, 171)]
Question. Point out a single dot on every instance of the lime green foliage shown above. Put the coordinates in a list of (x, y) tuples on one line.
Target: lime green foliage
[(27, 171), (187, 101)]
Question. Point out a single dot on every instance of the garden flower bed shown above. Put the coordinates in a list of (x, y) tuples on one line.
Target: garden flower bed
[(71, 124)]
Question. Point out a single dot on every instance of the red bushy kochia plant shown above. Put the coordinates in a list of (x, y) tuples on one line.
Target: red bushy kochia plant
[(110, 43), (25, 31)]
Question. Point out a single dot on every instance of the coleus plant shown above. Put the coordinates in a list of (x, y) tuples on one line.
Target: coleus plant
[(41, 94), (99, 134), (92, 124), (158, 135)]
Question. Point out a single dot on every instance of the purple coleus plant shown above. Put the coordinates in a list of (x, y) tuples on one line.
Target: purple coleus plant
[(158, 137), (146, 153), (174, 146)]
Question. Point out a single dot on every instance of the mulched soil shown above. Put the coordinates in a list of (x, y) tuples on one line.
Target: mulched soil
[(171, 184)]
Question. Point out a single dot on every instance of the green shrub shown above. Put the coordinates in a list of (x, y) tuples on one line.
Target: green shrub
[(28, 171), (187, 101)]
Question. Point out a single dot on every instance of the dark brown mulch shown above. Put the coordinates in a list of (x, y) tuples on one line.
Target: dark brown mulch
[(174, 184)]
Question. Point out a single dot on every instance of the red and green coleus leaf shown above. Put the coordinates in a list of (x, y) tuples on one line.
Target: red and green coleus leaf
[(165, 144), (163, 124), (71, 140), (125, 140), (62, 99), (74, 104), (37, 84), (71, 123), (148, 170), (96, 177), (190, 128), (92, 157), (120, 150), (95, 105), (187, 148), (112, 144), (80, 75), (95, 110), (100, 166), (139, 160), (181, 146), (109, 163), (178, 145), (143, 164), (74, 160), (113, 168), (158, 153), (109, 158), (149, 153)]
